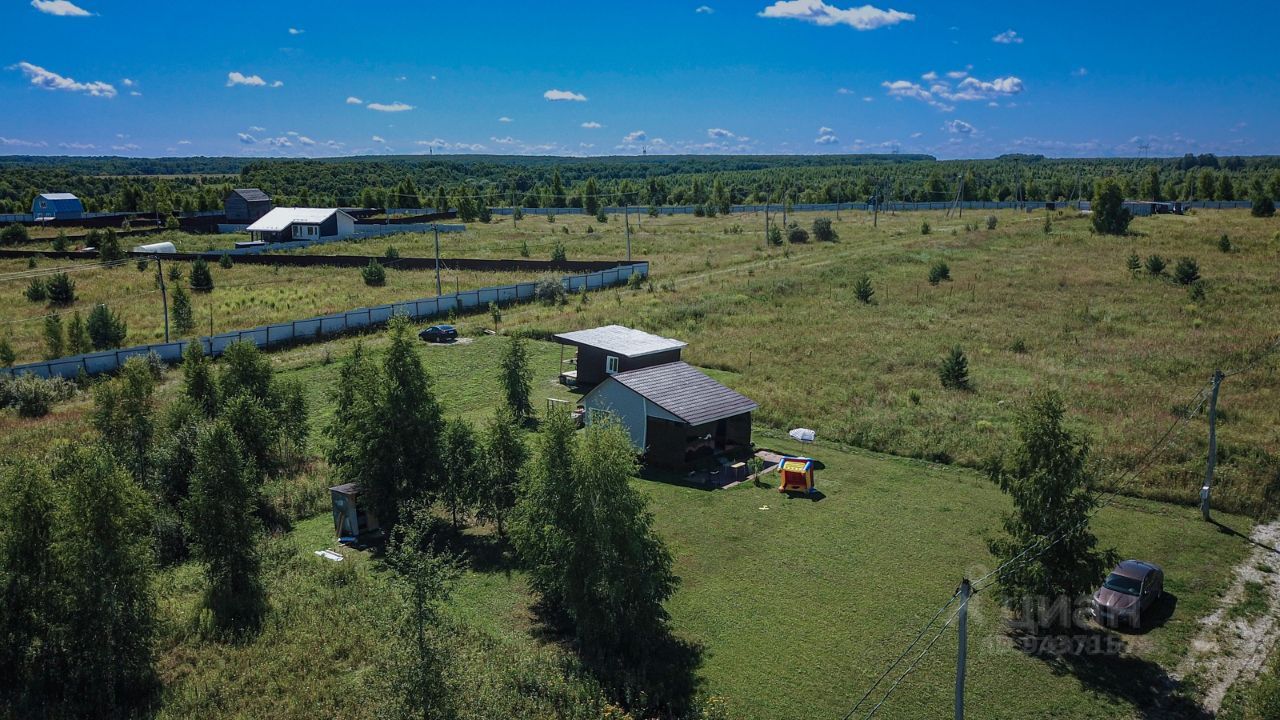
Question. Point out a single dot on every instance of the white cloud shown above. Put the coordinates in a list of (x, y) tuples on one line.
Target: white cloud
[(868, 98), (15, 142), (61, 8), (1008, 37), (636, 136), (820, 13), (129, 147), (238, 78), (508, 140), (135, 93), (705, 10), (127, 82), (907, 89), (826, 136), (974, 89), (77, 146), (1080, 71), (439, 144), (184, 142), (720, 134), (246, 138), (303, 139), (959, 127), (844, 91), (958, 74), (296, 31), (394, 107), (562, 95), (50, 80), (353, 100), (377, 139), (592, 125), (929, 76), (256, 128), (505, 119)]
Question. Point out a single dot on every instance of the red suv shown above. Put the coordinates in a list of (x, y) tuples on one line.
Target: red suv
[(1129, 590)]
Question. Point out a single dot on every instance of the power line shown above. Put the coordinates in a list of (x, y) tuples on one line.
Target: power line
[(913, 665)]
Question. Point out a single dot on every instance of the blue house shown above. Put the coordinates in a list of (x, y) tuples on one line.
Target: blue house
[(56, 206)]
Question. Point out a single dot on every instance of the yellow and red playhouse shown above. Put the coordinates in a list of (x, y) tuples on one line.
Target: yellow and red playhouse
[(796, 474)]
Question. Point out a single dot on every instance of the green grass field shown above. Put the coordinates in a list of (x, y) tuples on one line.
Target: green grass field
[(797, 607)]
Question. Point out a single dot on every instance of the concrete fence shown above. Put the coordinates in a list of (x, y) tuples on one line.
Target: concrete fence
[(327, 326)]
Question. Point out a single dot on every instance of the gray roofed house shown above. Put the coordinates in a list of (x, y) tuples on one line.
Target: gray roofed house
[(612, 349), (674, 413), (48, 206), (246, 205)]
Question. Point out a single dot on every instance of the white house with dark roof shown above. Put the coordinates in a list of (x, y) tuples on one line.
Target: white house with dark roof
[(284, 224), (674, 413)]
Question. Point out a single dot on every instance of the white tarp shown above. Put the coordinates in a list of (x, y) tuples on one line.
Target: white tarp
[(802, 434)]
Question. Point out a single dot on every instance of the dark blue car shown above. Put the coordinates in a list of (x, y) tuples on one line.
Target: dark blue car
[(439, 333)]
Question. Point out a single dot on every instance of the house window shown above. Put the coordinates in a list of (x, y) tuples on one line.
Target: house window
[(611, 364)]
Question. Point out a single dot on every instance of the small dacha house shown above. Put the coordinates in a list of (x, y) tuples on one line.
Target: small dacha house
[(613, 349), (674, 413), (246, 205), (285, 224), (57, 206)]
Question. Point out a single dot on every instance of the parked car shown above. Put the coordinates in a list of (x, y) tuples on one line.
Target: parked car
[(1130, 589), (439, 333)]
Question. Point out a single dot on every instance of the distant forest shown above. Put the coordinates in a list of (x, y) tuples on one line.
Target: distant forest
[(166, 185)]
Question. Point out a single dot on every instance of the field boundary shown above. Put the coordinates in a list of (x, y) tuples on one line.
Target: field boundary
[(323, 327)]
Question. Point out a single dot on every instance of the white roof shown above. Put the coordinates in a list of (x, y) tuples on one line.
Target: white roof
[(282, 217), (621, 340), (58, 196)]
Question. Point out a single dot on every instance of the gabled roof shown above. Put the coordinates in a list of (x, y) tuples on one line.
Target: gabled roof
[(686, 392), (620, 340), (59, 196), (251, 194), (282, 217)]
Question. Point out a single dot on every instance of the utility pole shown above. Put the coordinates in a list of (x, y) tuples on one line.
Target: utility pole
[(1213, 445), (962, 654), (436, 228), (626, 219), (515, 219), (766, 222), (164, 297)]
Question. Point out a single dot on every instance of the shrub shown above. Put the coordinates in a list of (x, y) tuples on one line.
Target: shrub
[(61, 242), (524, 248), (863, 290), (954, 371), (1133, 263), (1187, 271), (1048, 225), (201, 277), (374, 274), (823, 232), (392, 253), (775, 235), (924, 228), (653, 211), (175, 273), (1224, 243), (109, 249), (106, 329), (484, 214), (590, 230), (991, 222), (517, 214), (938, 272), (184, 320), (913, 396), (171, 223), (37, 290), (1019, 347), (1155, 265), (1196, 291), (62, 289), (7, 355), (557, 252), (797, 235), (33, 396), (13, 234), (549, 291), (601, 217), (142, 264), (1263, 207), (1110, 217), (636, 281), (224, 262)]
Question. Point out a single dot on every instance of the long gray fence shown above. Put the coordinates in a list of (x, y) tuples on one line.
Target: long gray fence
[(318, 328)]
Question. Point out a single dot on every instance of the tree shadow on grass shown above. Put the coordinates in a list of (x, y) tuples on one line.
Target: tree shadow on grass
[(1100, 660), (659, 678)]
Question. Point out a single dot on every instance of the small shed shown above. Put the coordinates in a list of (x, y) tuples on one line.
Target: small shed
[(246, 205), (160, 247), (674, 413), (57, 206), (283, 224), (351, 521), (613, 349)]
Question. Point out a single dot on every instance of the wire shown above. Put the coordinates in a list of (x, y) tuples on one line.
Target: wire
[(1254, 363), (40, 272), (913, 665), (42, 317), (904, 653)]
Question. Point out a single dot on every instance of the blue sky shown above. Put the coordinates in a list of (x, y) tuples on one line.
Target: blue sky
[(325, 78)]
